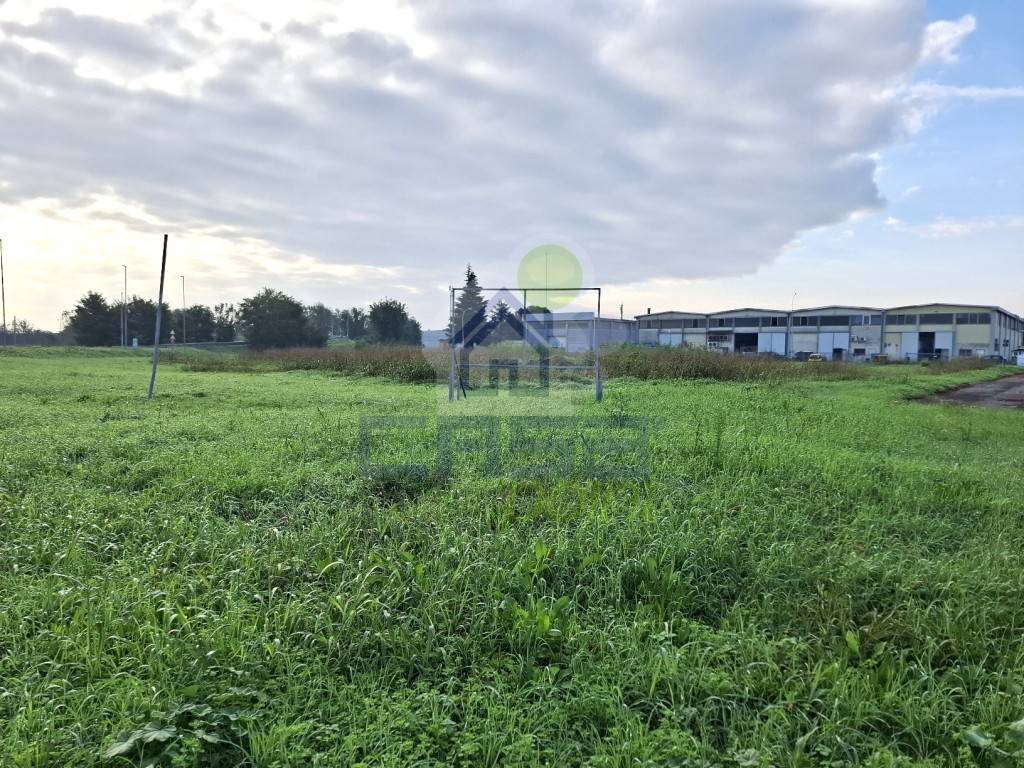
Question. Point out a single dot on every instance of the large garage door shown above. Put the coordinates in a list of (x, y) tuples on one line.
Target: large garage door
[(829, 342), (825, 345), (908, 345), (774, 343), (944, 343), (840, 341), (803, 342)]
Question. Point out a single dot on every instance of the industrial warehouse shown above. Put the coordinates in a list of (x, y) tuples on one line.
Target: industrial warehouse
[(911, 333)]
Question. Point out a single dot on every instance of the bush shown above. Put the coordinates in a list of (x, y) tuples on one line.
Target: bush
[(404, 364), (692, 363), (272, 319), (959, 364)]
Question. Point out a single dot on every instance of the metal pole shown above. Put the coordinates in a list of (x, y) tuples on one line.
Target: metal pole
[(598, 387), (159, 311), (451, 343), (124, 318), (124, 300), (184, 310), (3, 293), (524, 351)]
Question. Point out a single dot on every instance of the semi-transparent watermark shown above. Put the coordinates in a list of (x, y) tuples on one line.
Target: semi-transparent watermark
[(548, 448)]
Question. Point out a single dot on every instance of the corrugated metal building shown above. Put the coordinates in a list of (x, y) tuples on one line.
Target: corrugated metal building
[(577, 331), (926, 331)]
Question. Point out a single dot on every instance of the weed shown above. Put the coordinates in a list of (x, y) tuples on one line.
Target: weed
[(813, 571)]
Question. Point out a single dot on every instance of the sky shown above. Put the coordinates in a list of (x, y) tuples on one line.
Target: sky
[(692, 155)]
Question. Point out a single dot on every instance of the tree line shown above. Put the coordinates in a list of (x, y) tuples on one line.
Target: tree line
[(270, 319), (23, 333)]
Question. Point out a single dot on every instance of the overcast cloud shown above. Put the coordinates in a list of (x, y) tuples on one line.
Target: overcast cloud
[(668, 140)]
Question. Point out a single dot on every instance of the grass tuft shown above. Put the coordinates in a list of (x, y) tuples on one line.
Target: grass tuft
[(814, 571)]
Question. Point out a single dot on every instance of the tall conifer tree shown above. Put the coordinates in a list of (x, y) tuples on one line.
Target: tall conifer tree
[(469, 321)]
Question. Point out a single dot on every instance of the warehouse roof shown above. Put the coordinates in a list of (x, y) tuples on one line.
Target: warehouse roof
[(836, 306), (993, 307), (673, 312), (749, 309)]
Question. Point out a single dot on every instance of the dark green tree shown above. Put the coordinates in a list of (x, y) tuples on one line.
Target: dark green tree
[(320, 319), (142, 321), (503, 325), (199, 324), (389, 323), (533, 309), (350, 323), (224, 320), (468, 323), (95, 323), (273, 319), (412, 333)]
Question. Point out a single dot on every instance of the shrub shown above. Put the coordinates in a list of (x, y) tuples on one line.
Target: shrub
[(404, 364), (959, 364), (691, 363)]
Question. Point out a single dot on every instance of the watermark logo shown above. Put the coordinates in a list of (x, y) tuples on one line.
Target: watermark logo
[(524, 388), (544, 448), (505, 339), (552, 271)]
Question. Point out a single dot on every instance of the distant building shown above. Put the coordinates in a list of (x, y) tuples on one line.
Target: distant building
[(572, 332), (434, 338), (924, 331), (578, 331)]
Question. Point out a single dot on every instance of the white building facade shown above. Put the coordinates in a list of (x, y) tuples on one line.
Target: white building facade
[(918, 332)]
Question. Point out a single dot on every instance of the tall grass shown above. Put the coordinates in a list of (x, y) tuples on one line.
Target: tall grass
[(811, 574), (413, 364), (958, 365), (691, 363), (399, 363)]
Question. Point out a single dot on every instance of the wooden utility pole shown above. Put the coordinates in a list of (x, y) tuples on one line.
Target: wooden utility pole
[(159, 311)]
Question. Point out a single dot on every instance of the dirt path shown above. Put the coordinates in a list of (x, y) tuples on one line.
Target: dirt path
[(1002, 393)]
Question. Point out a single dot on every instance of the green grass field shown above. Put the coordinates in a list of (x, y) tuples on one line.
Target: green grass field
[(812, 573)]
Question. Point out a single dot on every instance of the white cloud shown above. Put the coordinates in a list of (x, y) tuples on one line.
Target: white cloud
[(367, 141), (943, 38), (924, 100), (947, 227)]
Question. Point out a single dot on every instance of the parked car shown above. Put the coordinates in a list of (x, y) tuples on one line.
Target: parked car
[(815, 357)]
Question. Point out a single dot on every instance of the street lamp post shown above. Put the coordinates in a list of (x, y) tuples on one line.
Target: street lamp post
[(184, 309), (124, 309)]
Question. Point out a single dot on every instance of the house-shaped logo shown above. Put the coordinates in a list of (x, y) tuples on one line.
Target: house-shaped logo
[(516, 325)]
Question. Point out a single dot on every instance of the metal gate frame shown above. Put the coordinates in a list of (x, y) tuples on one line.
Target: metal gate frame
[(598, 384)]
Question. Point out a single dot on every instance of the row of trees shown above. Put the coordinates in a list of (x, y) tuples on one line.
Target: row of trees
[(268, 319), (95, 322), (23, 333)]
